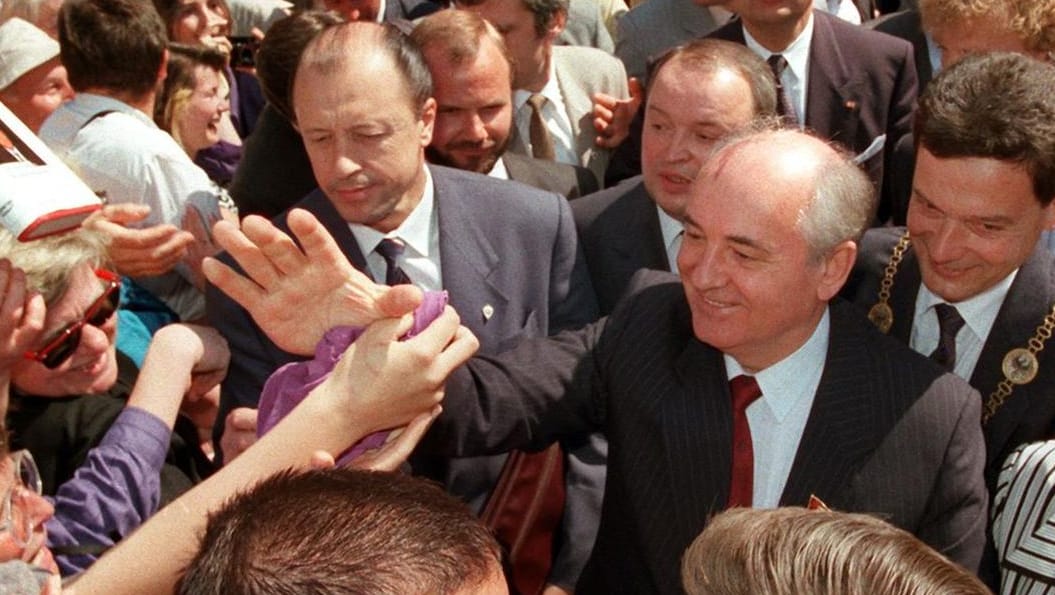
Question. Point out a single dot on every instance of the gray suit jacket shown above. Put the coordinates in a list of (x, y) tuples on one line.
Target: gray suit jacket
[(662, 398), (580, 72), (570, 181), (503, 245), (1029, 414), (620, 234), (653, 27), (585, 27)]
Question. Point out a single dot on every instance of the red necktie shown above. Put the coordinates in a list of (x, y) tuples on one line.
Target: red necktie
[(744, 391)]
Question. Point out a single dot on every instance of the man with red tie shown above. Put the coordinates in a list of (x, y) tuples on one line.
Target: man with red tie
[(844, 414)]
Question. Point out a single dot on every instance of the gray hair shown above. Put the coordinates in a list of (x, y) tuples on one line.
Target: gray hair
[(49, 262)]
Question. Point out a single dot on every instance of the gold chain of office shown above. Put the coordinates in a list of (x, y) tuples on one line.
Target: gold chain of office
[(1020, 365)]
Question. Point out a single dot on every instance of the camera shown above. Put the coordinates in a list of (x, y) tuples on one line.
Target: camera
[(243, 51)]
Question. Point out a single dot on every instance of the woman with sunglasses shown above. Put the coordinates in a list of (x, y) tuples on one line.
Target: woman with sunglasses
[(72, 392), (339, 412)]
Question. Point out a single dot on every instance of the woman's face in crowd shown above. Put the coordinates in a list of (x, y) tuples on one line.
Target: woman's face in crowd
[(202, 22), (199, 123), (92, 366)]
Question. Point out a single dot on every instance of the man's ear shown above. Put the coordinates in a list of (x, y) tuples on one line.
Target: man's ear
[(1048, 215), (835, 268), (428, 120), (556, 24), (163, 69)]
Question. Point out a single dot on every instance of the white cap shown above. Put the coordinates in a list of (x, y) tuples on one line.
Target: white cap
[(23, 47)]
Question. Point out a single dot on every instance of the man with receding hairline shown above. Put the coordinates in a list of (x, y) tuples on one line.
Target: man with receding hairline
[(506, 253), (699, 93), (826, 406)]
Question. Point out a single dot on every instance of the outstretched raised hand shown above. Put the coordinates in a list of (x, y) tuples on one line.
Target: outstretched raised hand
[(295, 293)]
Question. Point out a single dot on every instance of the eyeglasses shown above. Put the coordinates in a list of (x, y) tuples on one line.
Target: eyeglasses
[(27, 480), (61, 346)]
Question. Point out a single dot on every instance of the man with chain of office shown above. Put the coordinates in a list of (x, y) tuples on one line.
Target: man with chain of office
[(966, 282)]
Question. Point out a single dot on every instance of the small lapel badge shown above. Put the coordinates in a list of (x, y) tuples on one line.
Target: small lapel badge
[(488, 311), (816, 503), (850, 104)]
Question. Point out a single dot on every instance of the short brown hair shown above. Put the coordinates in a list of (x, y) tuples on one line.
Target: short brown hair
[(111, 44), (342, 531)]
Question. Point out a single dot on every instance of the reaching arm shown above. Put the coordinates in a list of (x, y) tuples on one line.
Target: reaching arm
[(405, 385)]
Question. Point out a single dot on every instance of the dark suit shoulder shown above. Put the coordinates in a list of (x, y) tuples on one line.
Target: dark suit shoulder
[(873, 254), (890, 367), (570, 181), (482, 193), (589, 206), (861, 40)]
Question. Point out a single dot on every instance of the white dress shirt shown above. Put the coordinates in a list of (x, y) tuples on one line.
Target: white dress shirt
[(779, 416), (554, 114), (672, 231), (420, 234), (978, 313), (796, 76)]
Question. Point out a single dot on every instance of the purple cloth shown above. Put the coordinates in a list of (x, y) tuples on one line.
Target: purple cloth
[(219, 161), (114, 491), (291, 383)]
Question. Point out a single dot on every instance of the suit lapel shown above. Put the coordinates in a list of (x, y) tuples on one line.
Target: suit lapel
[(697, 432), (645, 251), (576, 101), (831, 104), (468, 259), (1028, 301), (903, 296), (842, 428)]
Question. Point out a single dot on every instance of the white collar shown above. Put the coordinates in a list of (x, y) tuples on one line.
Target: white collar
[(797, 53), (793, 378), (979, 312), (669, 227), (415, 230)]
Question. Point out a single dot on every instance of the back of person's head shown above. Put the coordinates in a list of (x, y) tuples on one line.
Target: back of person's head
[(790, 551), (1000, 106), (276, 60), (342, 531), (113, 45), (49, 262), (707, 56)]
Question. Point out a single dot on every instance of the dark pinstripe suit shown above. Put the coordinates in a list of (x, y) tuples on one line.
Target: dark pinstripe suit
[(888, 432)]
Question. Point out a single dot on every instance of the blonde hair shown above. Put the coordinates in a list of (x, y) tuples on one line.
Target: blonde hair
[(49, 262), (791, 550)]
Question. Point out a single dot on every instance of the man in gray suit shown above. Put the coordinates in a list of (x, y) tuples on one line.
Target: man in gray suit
[(771, 235), (700, 92), (553, 101), (472, 83), (651, 28), (505, 253)]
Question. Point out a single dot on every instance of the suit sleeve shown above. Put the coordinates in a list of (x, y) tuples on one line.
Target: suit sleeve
[(955, 519), (628, 50), (250, 365)]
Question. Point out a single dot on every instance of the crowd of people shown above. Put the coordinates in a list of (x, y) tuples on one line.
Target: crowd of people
[(533, 297)]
